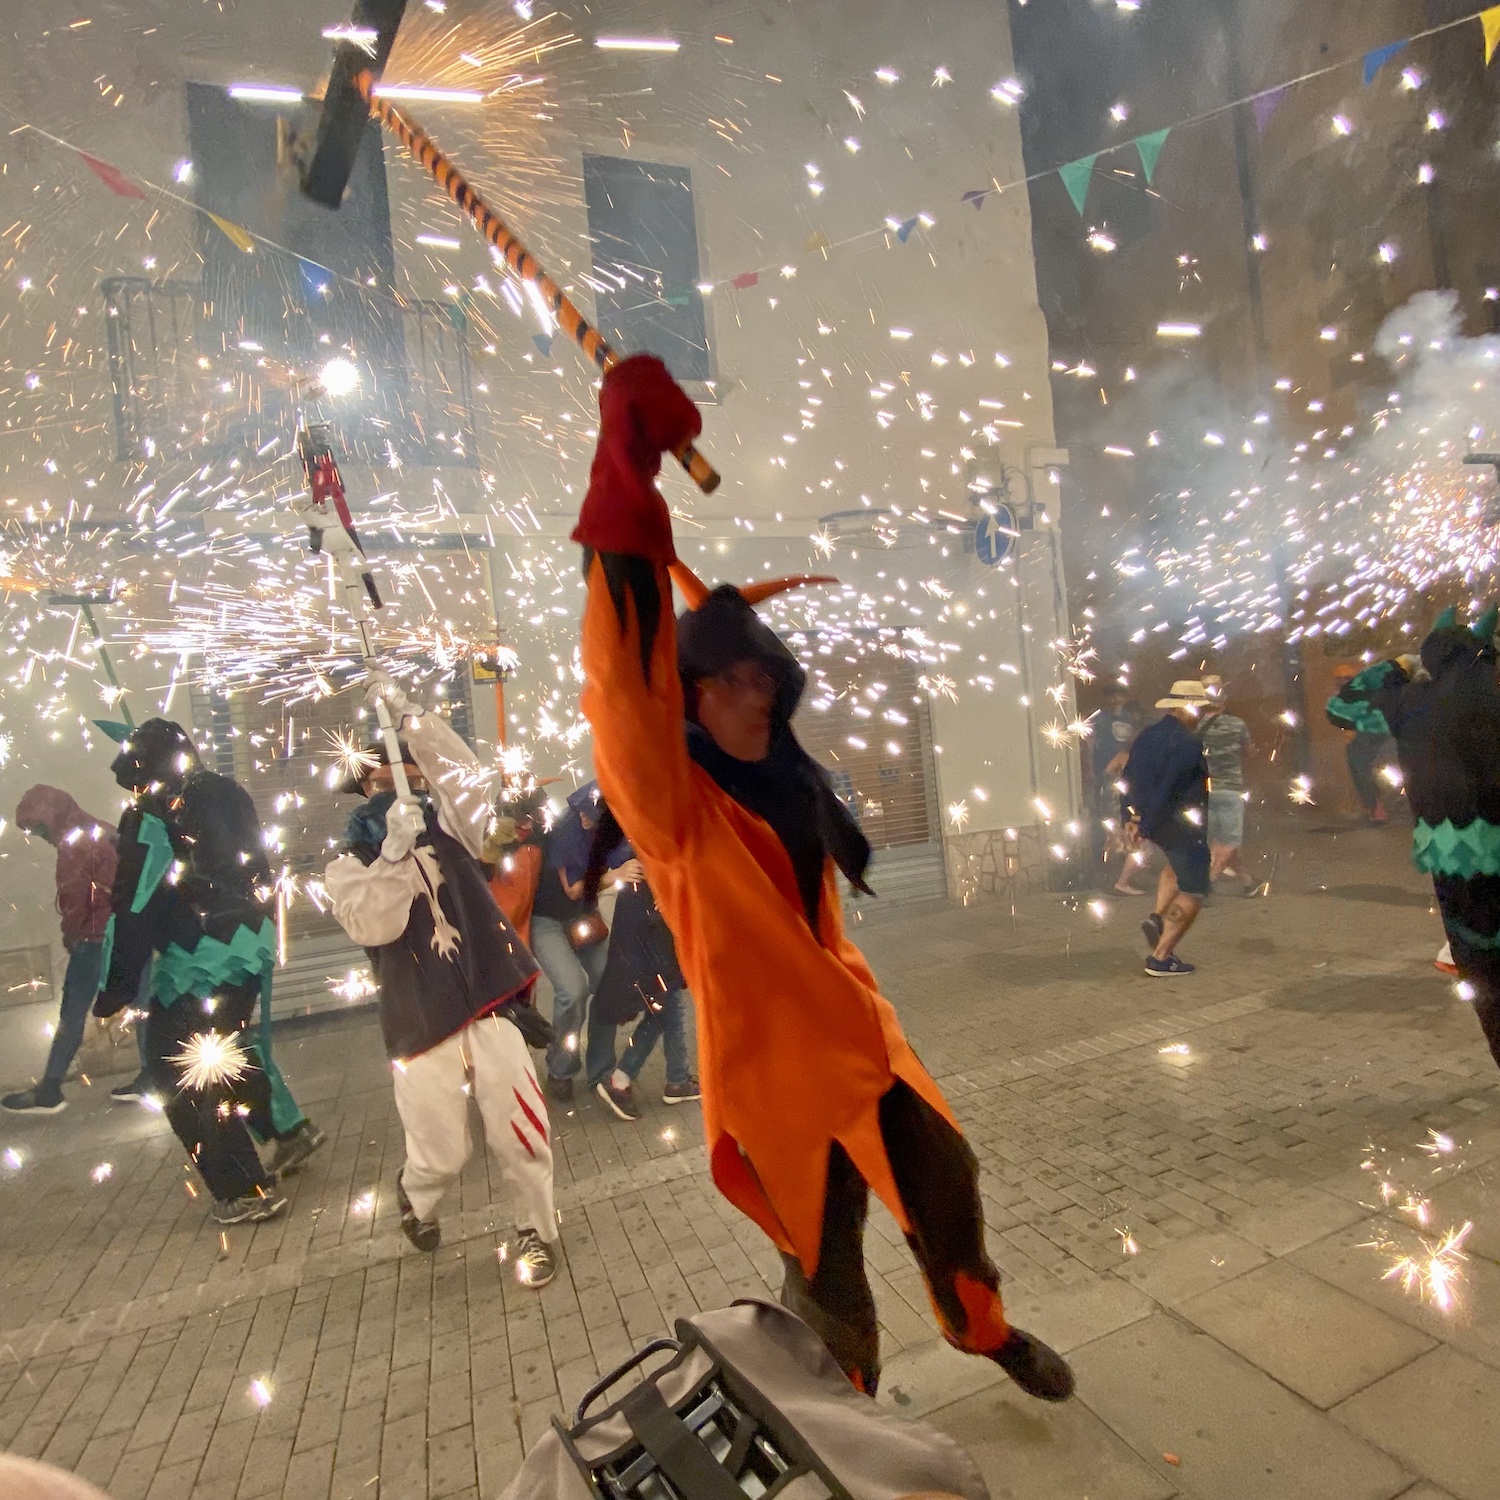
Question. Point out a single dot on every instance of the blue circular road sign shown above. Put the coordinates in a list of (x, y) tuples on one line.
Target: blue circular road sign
[(995, 536)]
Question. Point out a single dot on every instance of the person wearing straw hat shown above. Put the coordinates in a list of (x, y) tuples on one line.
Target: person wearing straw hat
[(1165, 801)]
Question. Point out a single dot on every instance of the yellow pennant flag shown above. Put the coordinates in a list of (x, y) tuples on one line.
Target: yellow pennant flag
[(242, 237), (1490, 20)]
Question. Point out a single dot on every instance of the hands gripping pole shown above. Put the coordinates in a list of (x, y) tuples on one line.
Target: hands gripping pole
[(517, 256)]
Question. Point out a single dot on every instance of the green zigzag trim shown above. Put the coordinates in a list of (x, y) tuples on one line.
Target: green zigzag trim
[(212, 963), (1471, 850), (1362, 717), (153, 834)]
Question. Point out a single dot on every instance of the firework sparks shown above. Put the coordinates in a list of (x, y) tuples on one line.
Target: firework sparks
[(103, 1172), (1128, 1244), (355, 986), (1300, 791), (209, 1059), (1435, 1274)]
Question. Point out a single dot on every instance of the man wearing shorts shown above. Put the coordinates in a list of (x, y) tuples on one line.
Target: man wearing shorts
[(1226, 741), (1165, 801)]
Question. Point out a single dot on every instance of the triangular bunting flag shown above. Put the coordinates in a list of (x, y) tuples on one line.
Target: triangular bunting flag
[(1490, 20), (1263, 106), (904, 232), (745, 280), (316, 280), (543, 341), (112, 177), (818, 243), (1149, 147), (237, 235), (976, 196), (1076, 176), (1376, 60)]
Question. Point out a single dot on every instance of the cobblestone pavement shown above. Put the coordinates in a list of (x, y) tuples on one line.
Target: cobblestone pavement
[(1218, 1127)]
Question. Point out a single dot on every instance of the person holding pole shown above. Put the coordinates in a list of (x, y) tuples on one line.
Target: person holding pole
[(812, 1096), (455, 980)]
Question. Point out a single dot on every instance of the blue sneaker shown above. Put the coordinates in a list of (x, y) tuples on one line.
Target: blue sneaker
[(1169, 967)]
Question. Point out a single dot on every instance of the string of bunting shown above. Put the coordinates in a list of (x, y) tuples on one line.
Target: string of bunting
[(1076, 176)]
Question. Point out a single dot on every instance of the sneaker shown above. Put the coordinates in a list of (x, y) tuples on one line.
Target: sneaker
[(1152, 929), (536, 1260), (622, 1101), (132, 1092), (1037, 1368), (1169, 967), (1127, 890), (44, 1099), (560, 1089), (253, 1208), (291, 1153), (682, 1093), (425, 1234)]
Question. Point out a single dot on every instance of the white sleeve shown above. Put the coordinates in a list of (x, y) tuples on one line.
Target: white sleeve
[(372, 902), (458, 782)]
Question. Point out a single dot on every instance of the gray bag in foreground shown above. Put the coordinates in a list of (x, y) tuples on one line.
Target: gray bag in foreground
[(750, 1404)]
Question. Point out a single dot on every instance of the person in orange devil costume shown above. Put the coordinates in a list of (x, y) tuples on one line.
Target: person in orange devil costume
[(811, 1095)]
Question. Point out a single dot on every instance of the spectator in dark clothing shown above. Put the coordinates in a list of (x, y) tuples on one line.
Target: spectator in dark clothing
[(1166, 793), (1114, 727), (85, 875), (568, 936), (1369, 750), (642, 978)]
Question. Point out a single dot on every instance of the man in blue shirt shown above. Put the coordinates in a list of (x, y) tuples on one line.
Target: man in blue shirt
[(1166, 792)]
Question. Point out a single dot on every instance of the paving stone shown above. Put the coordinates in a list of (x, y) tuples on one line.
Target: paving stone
[(1295, 1219), (1437, 1415), (1184, 1268), (1164, 1388), (1026, 1448), (1357, 1259), (1318, 1340)]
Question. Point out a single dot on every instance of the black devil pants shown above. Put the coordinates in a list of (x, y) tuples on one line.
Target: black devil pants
[(1471, 917), (212, 1122), (938, 1180)]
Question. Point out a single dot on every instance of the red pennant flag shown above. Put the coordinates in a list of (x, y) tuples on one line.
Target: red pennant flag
[(745, 280), (112, 177)]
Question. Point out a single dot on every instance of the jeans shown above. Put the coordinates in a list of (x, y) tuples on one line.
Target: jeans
[(1365, 753), (80, 985), (574, 977), (669, 1024)]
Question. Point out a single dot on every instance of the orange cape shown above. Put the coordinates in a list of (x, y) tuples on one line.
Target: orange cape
[(796, 1043)]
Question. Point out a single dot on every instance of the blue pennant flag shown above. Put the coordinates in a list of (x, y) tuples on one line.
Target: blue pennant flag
[(317, 281), (1376, 60), (904, 232), (543, 341)]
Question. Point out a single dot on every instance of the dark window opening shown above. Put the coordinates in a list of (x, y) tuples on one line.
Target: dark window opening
[(644, 238)]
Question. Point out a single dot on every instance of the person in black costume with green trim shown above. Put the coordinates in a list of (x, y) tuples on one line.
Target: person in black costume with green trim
[(1445, 720), (192, 901)]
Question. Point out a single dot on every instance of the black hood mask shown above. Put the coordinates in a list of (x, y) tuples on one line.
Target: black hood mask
[(156, 755), (718, 630)]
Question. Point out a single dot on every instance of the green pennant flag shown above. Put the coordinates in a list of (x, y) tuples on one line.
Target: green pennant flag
[(1075, 177), (1150, 148)]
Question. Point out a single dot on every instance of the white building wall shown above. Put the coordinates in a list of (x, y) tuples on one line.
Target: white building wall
[(748, 116)]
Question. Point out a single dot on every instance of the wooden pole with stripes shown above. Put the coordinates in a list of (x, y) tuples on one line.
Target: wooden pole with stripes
[(517, 256)]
